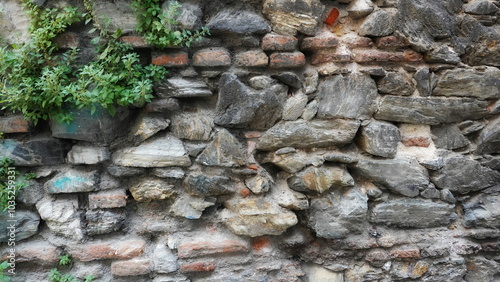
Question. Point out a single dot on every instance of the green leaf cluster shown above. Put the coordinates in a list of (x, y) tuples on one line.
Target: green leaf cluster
[(19, 182), (3, 266)]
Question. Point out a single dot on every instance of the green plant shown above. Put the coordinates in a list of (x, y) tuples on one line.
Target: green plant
[(56, 276), (64, 260), (10, 183), (3, 266)]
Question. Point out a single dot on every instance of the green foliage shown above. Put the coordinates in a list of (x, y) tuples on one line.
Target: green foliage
[(9, 178), (157, 27), (64, 259), (3, 266), (56, 276)]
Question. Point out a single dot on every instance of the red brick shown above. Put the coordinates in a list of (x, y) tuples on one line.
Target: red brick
[(320, 42), (287, 60), (33, 251), (275, 42), (212, 57), (368, 56), (135, 41), (406, 254), (203, 248), (326, 56), (108, 199), (251, 59), (377, 257), (14, 124), (199, 266), (171, 59), (419, 141), (389, 42), (116, 249), (67, 40), (133, 267)]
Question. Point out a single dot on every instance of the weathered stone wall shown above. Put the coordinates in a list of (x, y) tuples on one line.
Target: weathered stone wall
[(291, 145)]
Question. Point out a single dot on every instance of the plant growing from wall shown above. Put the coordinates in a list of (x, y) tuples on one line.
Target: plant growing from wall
[(56, 276), (10, 183), (3, 266)]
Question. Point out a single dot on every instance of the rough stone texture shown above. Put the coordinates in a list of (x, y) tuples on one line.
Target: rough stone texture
[(288, 198), (124, 20), (133, 267), (61, 216), (88, 155), (239, 106), (430, 110), (182, 88), (14, 124), (412, 213), (149, 189), (192, 126), (120, 248), (448, 137), (18, 225), (451, 176), (288, 16), (294, 106), (255, 58), (289, 78), (401, 176), (321, 179), (351, 96), (469, 83), (380, 139), (339, 214), (72, 181), (238, 21), (225, 150), (483, 210), (33, 153), (108, 199), (190, 207), (103, 222), (202, 185), (302, 134), (276, 42), (160, 151), (293, 161), (379, 23), (396, 83), (480, 8), (489, 140), (145, 127), (164, 260)]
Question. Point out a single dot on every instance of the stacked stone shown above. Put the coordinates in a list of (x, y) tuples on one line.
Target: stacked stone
[(280, 148)]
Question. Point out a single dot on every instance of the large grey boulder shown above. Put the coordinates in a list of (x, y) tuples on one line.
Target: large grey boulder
[(291, 16), (192, 126), (352, 96), (379, 138), (469, 83)]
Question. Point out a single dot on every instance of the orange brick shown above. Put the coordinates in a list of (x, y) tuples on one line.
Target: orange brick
[(251, 59), (199, 266), (405, 254), (33, 251), (133, 267), (287, 60), (368, 56), (108, 199), (389, 42), (171, 59), (203, 248), (419, 141), (14, 124), (67, 40), (212, 57), (116, 249), (275, 42), (320, 42), (135, 41)]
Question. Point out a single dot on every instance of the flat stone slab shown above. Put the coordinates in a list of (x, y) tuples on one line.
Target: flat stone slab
[(33, 153)]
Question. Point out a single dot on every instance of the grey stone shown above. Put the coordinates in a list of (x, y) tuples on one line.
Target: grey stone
[(488, 141), (447, 196), (191, 207), (163, 105), (467, 127), (261, 183), (33, 153), (412, 213), (99, 127), (109, 182), (319, 273), (193, 149), (379, 138), (452, 175), (481, 7), (339, 157), (238, 21), (310, 111), (431, 192), (256, 217), (443, 54), (192, 126), (100, 222), (469, 83), (14, 29), (378, 23), (423, 79), (352, 96), (339, 214), (396, 83), (293, 161), (285, 150), (123, 171), (123, 16), (146, 126), (72, 181), (174, 172), (289, 16), (17, 225), (88, 155), (360, 8), (401, 176), (448, 136), (491, 162), (374, 71), (288, 198), (198, 184), (61, 216), (482, 211), (149, 189), (188, 15), (320, 179), (179, 87), (431, 110), (261, 82), (483, 269), (484, 51), (240, 106), (165, 261), (294, 106), (303, 134), (161, 151), (225, 150), (310, 81), (289, 78)]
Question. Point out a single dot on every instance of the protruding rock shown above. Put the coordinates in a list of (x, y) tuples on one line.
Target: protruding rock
[(192, 126), (360, 8), (380, 139), (191, 207), (289, 16), (225, 150), (261, 82), (469, 83), (396, 83), (320, 179), (379, 23), (88, 155), (293, 161), (294, 106), (261, 183), (310, 111), (237, 21), (149, 189), (481, 7), (287, 197), (61, 216), (72, 181), (183, 88), (289, 78), (146, 126)]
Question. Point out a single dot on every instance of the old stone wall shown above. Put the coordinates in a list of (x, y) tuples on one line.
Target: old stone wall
[(304, 140)]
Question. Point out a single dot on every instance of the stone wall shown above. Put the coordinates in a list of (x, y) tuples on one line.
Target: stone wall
[(305, 140)]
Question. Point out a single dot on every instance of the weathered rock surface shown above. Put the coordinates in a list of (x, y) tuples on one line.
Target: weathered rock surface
[(452, 175), (34, 152), (396, 83), (430, 110), (165, 260), (380, 139), (320, 179), (72, 181), (413, 213), (146, 126), (257, 217), (174, 172), (488, 141), (294, 106), (18, 225), (302, 134), (339, 214), (360, 8), (379, 23), (88, 155), (402, 176), (240, 106), (469, 83), (288, 198), (351, 96), (124, 18), (225, 150), (261, 183), (61, 216), (191, 207), (237, 21), (102, 222), (483, 210), (182, 88), (288, 16), (448, 137), (481, 7), (159, 151), (293, 161), (149, 189), (204, 185)]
